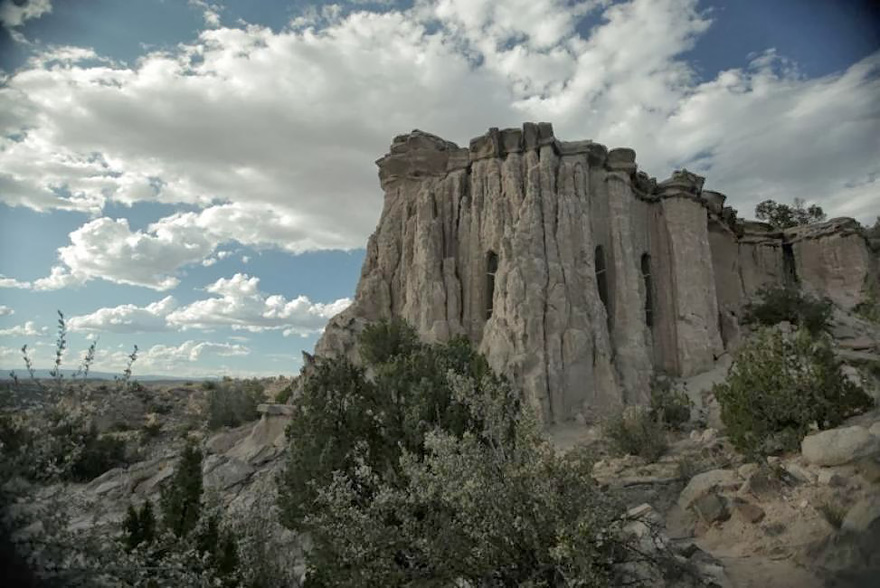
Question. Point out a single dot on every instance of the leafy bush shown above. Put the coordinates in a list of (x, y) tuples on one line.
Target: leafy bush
[(636, 431), (231, 404), (781, 385), (99, 454), (283, 395), (669, 405), (431, 473), (787, 303)]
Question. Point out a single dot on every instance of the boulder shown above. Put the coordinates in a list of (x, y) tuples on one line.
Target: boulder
[(839, 446), (706, 483), (711, 508), (800, 473)]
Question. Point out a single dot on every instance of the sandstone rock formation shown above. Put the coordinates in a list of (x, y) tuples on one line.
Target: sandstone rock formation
[(576, 274)]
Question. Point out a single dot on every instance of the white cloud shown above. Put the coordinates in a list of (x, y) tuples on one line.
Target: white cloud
[(240, 304), (237, 303), (109, 249), (13, 283), (181, 360), (13, 13), (210, 12), (127, 318), (272, 134), (28, 329), (6, 311)]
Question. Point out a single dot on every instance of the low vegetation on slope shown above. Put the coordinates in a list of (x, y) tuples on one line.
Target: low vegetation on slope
[(787, 303), (430, 472), (780, 386)]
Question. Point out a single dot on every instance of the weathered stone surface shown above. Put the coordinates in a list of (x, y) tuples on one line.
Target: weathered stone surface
[(621, 159), (707, 483), (862, 515), (833, 259), (800, 473), (748, 511), (711, 508), (678, 266), (829, 478), (839, 446)]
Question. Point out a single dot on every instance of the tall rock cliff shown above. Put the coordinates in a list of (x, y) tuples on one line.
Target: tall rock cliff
[(576, 274)]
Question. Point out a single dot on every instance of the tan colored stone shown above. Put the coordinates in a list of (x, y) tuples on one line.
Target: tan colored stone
[(542, 207)]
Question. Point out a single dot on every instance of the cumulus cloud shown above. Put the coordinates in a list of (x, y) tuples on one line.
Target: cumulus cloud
[(13, 13), (6, 311), (239, 304), (271, 134), (29, 329), (13, 283), (181, 360), (127, 318)]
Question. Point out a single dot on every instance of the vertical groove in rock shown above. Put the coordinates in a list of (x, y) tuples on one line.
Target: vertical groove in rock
[(543, 206)]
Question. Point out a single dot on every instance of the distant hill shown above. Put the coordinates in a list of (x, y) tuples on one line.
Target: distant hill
[(44, 374)]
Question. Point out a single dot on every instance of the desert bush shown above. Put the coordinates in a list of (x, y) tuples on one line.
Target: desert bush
[(99, 454), (432, 473), (341, 408), (788, 303), (283, 395), (151, 430), (636, 431), (780, 386), (669, 405), (231, 403)]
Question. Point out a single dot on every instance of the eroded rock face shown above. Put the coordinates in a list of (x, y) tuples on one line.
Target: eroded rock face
[(576, 274)]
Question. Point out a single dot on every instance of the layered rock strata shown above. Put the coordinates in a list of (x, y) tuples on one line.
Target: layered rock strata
[(575, 273)]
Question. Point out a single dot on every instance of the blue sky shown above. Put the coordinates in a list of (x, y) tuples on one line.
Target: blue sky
[(197, 177)]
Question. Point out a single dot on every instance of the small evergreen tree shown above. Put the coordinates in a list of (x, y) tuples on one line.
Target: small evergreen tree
[(181, 500), (139, 526), (147, 521)]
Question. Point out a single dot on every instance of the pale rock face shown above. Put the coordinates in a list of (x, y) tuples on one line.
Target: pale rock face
[(833, 260), (839, 446), (574, 273)]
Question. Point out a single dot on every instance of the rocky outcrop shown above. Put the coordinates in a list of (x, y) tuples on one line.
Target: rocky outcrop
[(575, 273)]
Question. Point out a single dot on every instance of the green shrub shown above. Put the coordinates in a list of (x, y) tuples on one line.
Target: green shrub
[(139, 525), (669, 405), (181, 500), (151, 430), (781, 385), (230, 405), (383, 341), (635, 431), (432, 474), (99, 454), (283, 395), (788, 303)]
